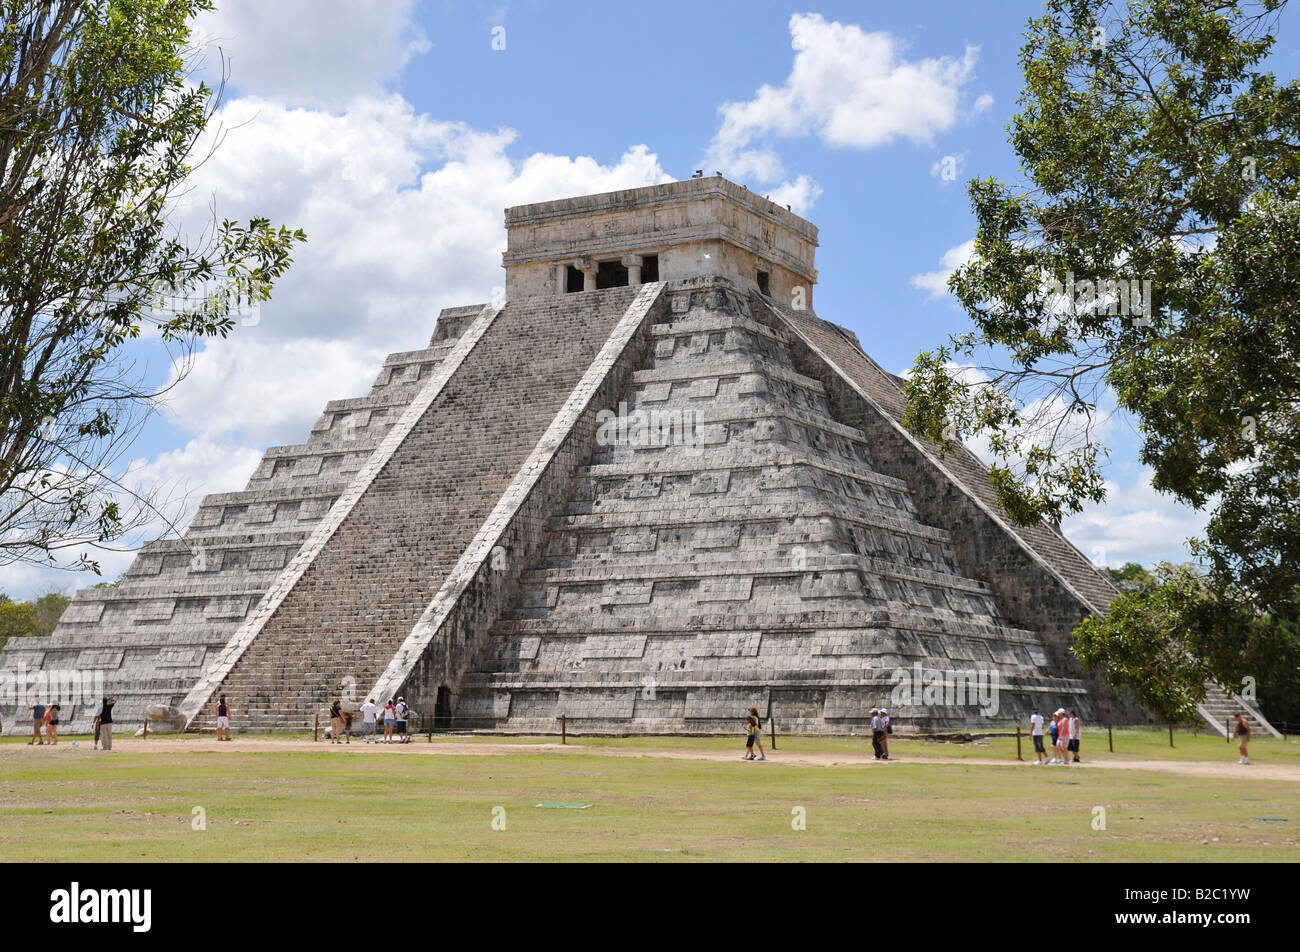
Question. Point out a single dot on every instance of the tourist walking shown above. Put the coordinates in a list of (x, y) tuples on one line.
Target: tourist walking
[(347, 726), (52, 723), (223, 718), (1242, 731), (1076, 731), (104, 722), (754, 735), (1036, 732), (336, 722), (390, 720), (877, 734), (368, 711), (38, 724), (887, 724)]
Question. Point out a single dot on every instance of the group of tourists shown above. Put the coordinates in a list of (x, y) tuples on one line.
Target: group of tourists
[(45, 723), (1066, 730), (395, 717)]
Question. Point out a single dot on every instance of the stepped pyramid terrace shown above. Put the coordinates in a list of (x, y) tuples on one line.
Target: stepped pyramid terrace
[(648, 490)]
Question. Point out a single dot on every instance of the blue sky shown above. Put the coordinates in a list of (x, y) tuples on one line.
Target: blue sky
[(396, 131)]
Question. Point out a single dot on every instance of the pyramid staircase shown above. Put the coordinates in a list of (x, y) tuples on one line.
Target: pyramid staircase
[(181, 600), (336, 618), (1220, 708)]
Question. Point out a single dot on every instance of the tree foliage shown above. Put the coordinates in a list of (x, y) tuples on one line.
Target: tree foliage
[(99, 121), (1151, 257), (27, 619)]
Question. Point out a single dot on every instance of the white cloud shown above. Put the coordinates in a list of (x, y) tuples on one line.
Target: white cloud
[(799, 195), (181, 477), (936, 282), (175, 481), (1135, 523), (265, 390), (849, 88), (318, 52), (403, 217)]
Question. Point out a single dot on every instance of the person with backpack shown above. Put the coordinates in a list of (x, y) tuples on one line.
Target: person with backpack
[(402, 712), (38, 724), (336, 722), (887, 723)]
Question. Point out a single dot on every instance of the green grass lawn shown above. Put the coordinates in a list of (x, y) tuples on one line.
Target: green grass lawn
[(329, 804), (1130, 744)]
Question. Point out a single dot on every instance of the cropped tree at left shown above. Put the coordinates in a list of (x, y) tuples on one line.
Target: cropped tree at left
[(100, 120)]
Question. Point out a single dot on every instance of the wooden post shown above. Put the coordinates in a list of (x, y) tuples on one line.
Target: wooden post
[(146, 728), (771, 726), (1110, 737), (564, 730), (1171, 735), (1018, 757), (315, 731)]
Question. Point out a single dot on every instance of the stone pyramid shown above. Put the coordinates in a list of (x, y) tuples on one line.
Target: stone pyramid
[(647, 491)]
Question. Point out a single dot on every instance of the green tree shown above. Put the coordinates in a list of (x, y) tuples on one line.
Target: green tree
[(48, 609), (1131, 577), (99, 125), (1151, 256), (17, 620)]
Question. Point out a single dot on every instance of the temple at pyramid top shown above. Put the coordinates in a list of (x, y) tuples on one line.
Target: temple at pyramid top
[(693, 228)]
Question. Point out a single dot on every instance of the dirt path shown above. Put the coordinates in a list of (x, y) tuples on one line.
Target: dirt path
[(1184, 768)]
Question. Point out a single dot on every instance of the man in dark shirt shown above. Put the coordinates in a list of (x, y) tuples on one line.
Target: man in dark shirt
[(104, 722)]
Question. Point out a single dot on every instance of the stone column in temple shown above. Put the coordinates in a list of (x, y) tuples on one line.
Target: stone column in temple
[(561, 278), (633, 265), (588, 267)]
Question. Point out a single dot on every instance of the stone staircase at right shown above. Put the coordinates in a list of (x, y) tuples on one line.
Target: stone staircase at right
[(1219, 709)]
